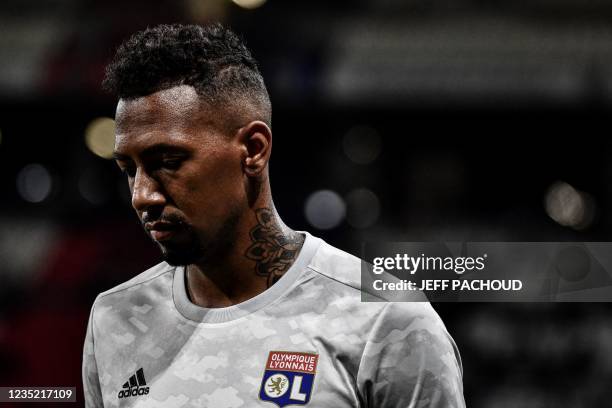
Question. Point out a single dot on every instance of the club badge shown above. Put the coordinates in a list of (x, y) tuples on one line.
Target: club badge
[(288, 378)]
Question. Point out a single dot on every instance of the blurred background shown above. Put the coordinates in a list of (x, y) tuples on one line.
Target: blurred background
[(413, 120)]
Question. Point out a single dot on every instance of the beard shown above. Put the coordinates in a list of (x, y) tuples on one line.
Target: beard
[(186, 253), (192, 246)]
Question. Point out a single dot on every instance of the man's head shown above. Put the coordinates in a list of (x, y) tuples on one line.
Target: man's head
[(211, 59), (192, 134)]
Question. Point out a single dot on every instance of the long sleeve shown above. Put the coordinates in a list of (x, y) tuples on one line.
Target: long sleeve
[(91, 381), (410, 360)]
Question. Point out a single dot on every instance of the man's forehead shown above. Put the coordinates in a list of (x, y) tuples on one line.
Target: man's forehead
[(174, 116), (180, 103)]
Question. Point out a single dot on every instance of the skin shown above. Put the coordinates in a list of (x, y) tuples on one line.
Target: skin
[(202, 174)]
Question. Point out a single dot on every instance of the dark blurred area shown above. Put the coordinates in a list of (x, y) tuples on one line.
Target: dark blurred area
[(394, 120)]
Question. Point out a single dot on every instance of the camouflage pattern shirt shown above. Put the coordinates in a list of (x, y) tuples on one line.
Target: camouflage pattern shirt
[(307, 340)]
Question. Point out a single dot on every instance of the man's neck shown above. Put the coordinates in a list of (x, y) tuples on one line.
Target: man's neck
[(264, 251)]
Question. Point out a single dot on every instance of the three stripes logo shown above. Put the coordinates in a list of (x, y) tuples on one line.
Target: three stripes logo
[(136, 385)]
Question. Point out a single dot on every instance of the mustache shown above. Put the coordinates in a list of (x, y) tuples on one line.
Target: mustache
[(167, 218)]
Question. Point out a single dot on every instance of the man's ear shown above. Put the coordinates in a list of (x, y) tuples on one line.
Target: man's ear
[(256, 139)]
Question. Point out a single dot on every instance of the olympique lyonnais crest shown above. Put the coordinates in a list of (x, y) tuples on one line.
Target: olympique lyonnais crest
[(288, 378)]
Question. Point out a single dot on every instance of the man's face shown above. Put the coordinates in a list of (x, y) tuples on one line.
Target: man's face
[(185, 174)]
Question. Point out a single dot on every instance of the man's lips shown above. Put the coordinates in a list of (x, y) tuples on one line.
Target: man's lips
[(161, 231)]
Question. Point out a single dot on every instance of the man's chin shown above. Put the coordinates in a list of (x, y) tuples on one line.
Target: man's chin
[(190, 248), (177, 257), (178, 260)]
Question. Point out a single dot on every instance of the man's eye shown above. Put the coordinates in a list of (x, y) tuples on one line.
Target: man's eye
[(171, 164)]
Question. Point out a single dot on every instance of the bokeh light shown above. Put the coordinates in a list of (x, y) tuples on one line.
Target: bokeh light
[(325, 209), (100, 137), (249, 4), (569, 206), (34, 183)]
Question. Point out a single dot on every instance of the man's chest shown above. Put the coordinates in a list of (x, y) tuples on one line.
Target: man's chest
[(238, 367)]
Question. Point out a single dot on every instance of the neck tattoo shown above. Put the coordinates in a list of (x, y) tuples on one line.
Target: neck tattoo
[(272, 249)]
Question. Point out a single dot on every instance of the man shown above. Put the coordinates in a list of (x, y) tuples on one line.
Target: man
[(244, 312)]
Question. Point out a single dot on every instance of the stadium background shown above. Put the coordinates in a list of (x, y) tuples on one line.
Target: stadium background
[(393, 120)]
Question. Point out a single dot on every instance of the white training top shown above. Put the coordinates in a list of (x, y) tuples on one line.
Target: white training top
[(307, 340)]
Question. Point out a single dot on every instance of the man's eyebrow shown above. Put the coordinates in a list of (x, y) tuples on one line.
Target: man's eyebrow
[(120, 156), (153, 150)]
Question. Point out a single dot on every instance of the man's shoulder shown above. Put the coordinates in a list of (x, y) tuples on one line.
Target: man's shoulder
[(342, 272), (149, 275), (336, 265)]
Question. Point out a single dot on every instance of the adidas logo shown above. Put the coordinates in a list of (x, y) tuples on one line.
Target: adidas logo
[(136, 385)]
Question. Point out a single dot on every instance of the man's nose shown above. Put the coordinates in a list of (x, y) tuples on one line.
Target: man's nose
[(146, 192)]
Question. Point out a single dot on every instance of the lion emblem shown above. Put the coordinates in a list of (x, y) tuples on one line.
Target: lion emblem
[(276, 386)]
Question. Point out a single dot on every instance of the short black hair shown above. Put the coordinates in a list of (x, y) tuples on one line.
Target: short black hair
[(211, 58)]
